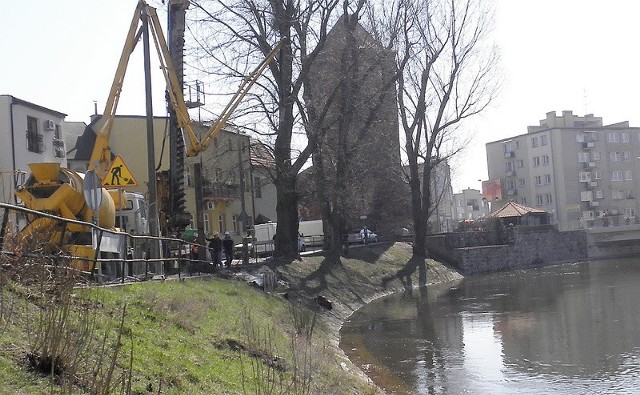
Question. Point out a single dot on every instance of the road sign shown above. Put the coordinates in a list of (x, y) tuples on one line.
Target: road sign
[(92, 190), (119, 175)]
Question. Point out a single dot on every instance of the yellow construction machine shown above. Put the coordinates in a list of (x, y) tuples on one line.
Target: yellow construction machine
[(60, 191)]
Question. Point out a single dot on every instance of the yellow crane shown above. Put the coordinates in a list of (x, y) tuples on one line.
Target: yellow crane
[(59, 191)]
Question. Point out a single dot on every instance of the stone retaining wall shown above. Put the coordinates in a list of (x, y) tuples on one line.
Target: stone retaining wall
[(528, 247)]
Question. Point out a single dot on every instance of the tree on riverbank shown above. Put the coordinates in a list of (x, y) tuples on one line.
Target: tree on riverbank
[(446, 74)]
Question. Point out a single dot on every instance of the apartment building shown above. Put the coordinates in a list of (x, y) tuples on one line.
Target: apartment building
[(220, 165), (469, 204), (581, 171), (29, 133)]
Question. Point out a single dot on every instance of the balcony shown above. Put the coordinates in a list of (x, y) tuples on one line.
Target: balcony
[(511, 173), (512, 192), (588, 145), (219, 189), (594, 204), (509, 154), (591, 184), (588, 165)]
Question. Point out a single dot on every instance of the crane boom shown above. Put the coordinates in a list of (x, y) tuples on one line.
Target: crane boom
[(101, 155)]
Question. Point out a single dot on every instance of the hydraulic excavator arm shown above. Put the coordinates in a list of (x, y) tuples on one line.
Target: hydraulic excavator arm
[(101, 155)]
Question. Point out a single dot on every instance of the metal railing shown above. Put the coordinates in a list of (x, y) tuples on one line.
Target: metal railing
[(132, 262)]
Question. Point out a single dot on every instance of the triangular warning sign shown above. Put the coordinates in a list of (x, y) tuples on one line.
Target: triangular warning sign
[(119, 175)]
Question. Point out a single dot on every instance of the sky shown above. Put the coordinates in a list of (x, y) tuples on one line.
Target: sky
[(579, 55)]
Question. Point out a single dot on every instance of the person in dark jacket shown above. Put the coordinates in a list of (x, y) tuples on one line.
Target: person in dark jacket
[(227, 246), (215, 248)]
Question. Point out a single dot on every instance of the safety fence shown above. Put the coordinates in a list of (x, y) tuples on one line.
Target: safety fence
[(116, 256)]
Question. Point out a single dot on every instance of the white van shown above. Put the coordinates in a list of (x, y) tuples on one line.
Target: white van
[(312, 232)]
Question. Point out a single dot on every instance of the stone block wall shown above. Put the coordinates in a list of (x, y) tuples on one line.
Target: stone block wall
[(531, 246)]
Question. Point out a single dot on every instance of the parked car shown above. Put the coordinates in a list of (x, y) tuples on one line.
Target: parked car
[(372, 237), (357, 236)]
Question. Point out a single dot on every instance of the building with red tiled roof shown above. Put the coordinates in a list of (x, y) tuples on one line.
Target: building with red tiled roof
[(519, 214)]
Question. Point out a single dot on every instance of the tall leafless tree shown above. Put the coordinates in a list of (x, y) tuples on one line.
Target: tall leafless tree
[(447, 74), (239, 33)]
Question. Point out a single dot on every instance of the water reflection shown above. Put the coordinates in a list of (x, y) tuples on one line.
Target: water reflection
[(565, 329)]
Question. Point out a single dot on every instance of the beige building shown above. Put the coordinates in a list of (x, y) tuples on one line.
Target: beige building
[(29, 133), (576, 168), (469, 204), (221, 205)]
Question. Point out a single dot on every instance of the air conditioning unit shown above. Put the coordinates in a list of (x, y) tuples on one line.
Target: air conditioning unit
[(49, 124), (210, 206)]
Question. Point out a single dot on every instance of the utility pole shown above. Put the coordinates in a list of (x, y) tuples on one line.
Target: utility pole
[(243, 214), (153, 207)]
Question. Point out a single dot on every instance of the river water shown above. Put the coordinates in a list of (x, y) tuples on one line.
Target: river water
[(568, 329)]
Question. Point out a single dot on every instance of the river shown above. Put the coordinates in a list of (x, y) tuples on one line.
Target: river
[(568, 329)]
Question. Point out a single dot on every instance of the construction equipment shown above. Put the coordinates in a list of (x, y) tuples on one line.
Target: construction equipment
[(59, 191)]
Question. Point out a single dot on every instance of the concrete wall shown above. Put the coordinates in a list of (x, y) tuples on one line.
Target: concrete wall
[(532, 246)]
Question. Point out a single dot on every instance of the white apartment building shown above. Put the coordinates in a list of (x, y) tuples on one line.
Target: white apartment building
[(573, 167), (29, 133), (469, 204)]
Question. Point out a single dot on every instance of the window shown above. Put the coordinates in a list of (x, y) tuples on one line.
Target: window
[(548, 199), (521, 182), (34, 140), (599, 194), (523, 200), (629, 212), (614, 156), (547, 179), (221, 222), (626, 155), (507, 148), (543, 140), (187, 176), (536, 161), (585, 176), (579, 137), (545, 159), (217, 175), (539, 200), (613, 137), (509, 166), (586, 196), (597, 175), (595, 156), (534, 142), (616, 175), (617, 195), (230, 144), (57, 134), (583, 157), (517, 144), (511, 185), (538, 180), (257, 187), (519, 163), (625, 137), (206, 224), (627, 175), (236, 224)]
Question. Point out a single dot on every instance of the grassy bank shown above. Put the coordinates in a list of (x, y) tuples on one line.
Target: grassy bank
[(210, 335)]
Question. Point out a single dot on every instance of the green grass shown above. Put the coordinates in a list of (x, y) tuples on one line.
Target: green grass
[(211, 335)]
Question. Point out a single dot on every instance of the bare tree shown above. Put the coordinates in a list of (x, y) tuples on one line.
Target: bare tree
[(352, 118), (446, 75), (237, 33)]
